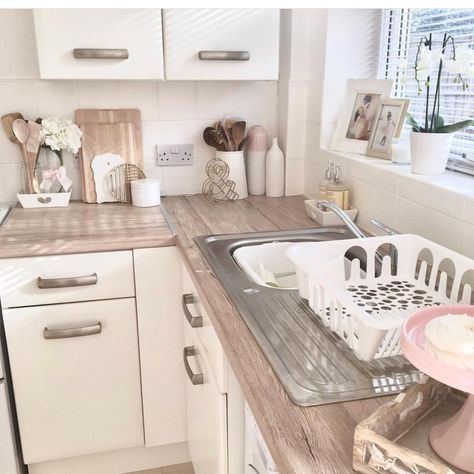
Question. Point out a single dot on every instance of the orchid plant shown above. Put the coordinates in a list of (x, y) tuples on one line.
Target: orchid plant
[(430, 63)]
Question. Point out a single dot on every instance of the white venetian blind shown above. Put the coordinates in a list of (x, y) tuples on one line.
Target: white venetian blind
[(402, 30)]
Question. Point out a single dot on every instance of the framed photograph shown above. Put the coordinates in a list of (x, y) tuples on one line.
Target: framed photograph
[(388, 125), (358, 114)]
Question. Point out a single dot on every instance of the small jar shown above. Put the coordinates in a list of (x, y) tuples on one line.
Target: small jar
[(145, 192), (400, 152)]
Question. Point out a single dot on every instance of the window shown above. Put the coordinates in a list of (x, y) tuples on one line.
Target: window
[(401, 33)]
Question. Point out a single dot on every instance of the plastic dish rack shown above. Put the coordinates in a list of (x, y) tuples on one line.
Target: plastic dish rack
[(366, 308)]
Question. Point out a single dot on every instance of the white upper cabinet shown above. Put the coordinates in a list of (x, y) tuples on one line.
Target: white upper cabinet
[(221, 44), (111, 43)]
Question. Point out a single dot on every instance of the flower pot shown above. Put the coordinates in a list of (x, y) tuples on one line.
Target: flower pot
[(235, 160), (430, 152)]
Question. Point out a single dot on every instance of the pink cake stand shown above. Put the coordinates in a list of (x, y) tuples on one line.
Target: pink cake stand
[(452, 440)]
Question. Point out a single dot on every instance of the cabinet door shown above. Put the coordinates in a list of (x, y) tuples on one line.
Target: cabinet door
[(59, 32), (221, 44), (206, 411), (8, 459), (160, 325), (77, 391)]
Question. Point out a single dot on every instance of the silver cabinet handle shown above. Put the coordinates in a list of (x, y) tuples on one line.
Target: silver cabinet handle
[(46, 283), (196, 379), (224, 55), (100, 53), (194, 321), (72, 332)]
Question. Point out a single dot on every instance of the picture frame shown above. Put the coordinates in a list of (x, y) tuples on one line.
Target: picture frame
[(388, 125), (357, 117)]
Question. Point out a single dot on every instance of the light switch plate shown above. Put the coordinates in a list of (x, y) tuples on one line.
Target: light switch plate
[(174, 155)]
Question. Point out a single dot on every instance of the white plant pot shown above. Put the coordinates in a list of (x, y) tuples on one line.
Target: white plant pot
[(430, 152), (235, 160)]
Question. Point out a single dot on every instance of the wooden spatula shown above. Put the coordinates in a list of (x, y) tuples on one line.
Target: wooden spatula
[(7, 124)]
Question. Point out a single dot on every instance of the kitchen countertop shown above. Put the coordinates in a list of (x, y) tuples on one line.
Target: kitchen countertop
[(82, 227), (302, 440)]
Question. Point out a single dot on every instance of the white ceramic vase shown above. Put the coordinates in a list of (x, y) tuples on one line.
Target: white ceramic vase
[(430, 152), (235, 160), (275, 171)]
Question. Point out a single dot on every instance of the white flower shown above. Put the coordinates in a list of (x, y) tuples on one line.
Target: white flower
[(426, 60), (464, 62), (60, 134)]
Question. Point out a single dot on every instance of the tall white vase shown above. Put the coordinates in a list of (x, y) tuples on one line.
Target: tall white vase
[(430, 152), (275, 171), (235, 160), (256, 152)]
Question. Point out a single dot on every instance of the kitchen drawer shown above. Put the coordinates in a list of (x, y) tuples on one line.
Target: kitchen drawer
[(76, 378), (66, 278), (212, 348)]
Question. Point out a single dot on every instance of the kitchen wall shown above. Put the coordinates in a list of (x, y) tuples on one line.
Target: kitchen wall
[(440, 208), (172, 112)]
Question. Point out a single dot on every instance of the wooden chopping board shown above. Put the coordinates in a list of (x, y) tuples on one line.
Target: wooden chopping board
[(116, 131)]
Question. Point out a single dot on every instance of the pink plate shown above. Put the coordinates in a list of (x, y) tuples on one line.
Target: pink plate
[(413, 343)]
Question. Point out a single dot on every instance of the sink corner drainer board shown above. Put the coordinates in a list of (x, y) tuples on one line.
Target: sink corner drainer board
[(314, 365)]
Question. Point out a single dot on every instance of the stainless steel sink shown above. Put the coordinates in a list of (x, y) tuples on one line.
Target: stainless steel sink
[(313, 364)]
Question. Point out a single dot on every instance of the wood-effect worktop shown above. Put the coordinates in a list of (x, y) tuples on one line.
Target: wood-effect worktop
[(82, 227), (302, 440)]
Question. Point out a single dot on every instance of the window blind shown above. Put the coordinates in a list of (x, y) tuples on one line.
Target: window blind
[(402, 30)]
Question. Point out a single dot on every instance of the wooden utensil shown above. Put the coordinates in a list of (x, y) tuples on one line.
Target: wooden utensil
[(20, 130), (238, 133), (227, 125), (213, 138), (243, 143), (7, 124)]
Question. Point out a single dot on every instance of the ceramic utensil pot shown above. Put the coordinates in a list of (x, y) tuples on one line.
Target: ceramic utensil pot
[(235, 160)]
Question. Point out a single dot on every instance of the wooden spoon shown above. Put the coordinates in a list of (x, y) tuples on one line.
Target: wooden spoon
[(20, 129), (7, 124), (238, 133), (213, 138)]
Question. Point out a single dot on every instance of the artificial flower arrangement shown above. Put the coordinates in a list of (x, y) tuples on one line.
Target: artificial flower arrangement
[(431, 139), (56, 134), (429, 63)]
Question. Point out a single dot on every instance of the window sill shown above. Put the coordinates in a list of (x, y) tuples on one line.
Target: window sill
[(457, 183)]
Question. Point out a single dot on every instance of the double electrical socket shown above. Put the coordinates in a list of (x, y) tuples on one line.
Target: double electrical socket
[(174, 155)]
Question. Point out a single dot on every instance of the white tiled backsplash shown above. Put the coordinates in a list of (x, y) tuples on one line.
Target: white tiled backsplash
[(172, 112)]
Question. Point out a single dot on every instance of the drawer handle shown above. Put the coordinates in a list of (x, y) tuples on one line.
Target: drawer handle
[(254, 469), (46, 283), (196, 379), (72, 332), (100, 53), (194, 321), (224, 55)]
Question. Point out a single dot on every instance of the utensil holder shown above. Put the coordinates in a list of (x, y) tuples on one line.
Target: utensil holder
[(235, 161)]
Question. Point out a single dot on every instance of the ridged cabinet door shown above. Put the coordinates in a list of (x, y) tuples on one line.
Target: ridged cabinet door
[(76, 378)]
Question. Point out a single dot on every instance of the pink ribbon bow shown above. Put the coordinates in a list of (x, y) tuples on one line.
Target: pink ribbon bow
[(50, 176)]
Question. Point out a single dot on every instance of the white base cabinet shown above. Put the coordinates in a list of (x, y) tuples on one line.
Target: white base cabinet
[(160, 326), (75, 395)]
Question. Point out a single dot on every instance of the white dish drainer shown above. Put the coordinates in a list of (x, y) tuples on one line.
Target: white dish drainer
[(367, 310)]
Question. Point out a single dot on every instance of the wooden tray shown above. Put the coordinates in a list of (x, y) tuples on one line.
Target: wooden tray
[(394, 439)]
